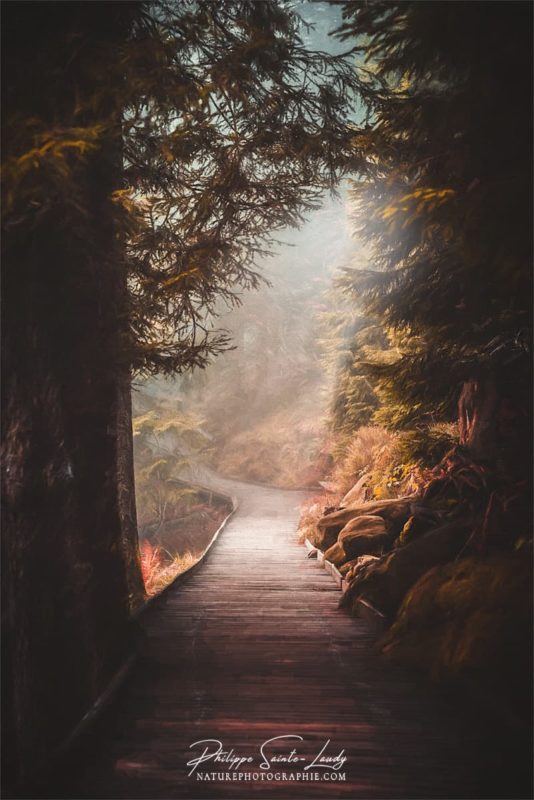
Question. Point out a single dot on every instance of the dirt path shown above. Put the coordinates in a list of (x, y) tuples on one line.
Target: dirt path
[(251, 646)]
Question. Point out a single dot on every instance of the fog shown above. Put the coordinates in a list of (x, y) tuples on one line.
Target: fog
[(261, 405), (260, 408)]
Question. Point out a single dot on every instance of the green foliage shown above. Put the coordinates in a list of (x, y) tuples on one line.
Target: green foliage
[(162, 426), (426, 446), (228, 127), (470, 619), (167, 442), (442, 200), (347, 335)]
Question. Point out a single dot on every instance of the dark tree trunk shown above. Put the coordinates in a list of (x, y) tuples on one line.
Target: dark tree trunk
[(494, 415), (70, 560), (477, 415)]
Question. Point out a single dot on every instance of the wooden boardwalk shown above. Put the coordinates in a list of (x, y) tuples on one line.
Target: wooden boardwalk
[(251, 646)]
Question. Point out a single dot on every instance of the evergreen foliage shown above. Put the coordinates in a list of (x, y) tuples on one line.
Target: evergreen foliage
[(346, 336), (443, 200), (229, 128)]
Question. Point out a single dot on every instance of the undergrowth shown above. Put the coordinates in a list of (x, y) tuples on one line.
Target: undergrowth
[(385, 464), (311, 512), (284, 450), (159, 568)]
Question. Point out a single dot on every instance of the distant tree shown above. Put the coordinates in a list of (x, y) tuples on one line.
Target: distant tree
[(444, 201), (158, 494), (347, 337), (276, 361), (166, 443)]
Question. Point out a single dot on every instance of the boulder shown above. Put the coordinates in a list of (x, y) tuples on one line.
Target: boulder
[(336, 554), (368, 524), (422, 521), (413, 529), (397, 510), (348, 565), (357, 565), (385, 582), (361, 544), (471, 619), (326, 537), (364, 535)]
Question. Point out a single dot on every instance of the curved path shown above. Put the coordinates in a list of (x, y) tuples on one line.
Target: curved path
[(251, 646)]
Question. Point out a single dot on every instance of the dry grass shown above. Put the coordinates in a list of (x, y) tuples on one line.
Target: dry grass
[(372, 451), (392, 475), (171, 571), (151, 564), (311, 512), (393, 467), (159, 568), (179, 544), (361, 454), (378, 454)]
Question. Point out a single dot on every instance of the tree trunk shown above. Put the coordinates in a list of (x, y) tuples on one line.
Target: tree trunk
[(477, 414), (495, 422), (70, 560)]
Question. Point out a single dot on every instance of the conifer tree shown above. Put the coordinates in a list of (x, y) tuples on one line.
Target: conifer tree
[(150, 151), (444, 201), (229, 128), (347, 336)]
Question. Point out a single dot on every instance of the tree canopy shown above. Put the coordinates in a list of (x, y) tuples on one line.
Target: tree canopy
[(228, 128), (443, 199)]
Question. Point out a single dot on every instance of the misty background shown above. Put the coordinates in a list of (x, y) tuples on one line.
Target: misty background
[(259, 410)]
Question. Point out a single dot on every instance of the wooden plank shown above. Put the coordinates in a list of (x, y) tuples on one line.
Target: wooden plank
[(253, 646), (334, 572)]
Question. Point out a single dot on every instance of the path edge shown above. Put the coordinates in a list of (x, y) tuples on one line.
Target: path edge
[(83, 727), (182, 576)]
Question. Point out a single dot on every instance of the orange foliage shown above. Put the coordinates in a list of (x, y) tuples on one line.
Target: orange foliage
[(151, 564)]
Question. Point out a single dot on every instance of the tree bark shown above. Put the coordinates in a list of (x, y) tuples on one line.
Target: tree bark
[(70, 560), (495, 422), (477, 415)]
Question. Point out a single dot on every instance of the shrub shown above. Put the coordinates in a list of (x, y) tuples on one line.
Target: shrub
[(159, 568), (151, 564), (470, 619), (170, 571), (312, 510), (428, 445), (359, 455)]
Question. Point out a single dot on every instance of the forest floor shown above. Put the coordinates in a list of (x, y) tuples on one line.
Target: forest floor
[(169, 549), (252, 646)]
